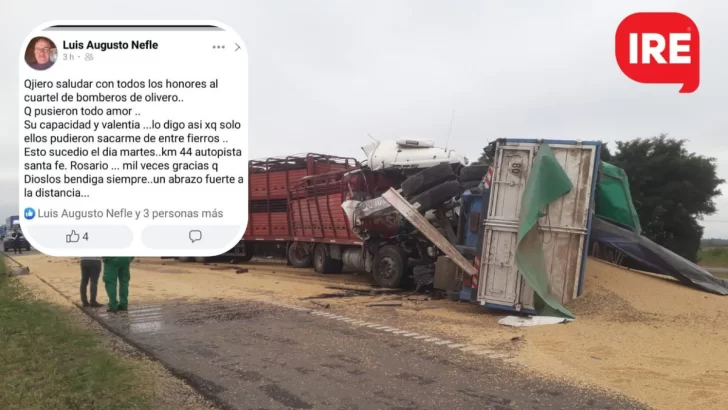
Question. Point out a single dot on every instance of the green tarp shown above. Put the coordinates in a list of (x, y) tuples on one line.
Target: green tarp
[(547, 182), (613, 199)]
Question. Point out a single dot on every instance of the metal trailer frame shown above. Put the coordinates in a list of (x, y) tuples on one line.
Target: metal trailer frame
[(310, 163), (586, 238), (321, 176), (310, 190)]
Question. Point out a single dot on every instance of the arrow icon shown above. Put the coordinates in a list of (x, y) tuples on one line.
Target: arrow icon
[(238, 47)]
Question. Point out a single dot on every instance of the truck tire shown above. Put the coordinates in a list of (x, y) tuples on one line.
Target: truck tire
[(473, 173), (249, 252), (200, 259), (299, 255), (426, 179), (323, 262), (389, 267), (434, 197)]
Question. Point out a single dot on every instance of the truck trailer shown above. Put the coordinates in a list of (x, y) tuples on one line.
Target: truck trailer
[(295, 204), (304, 207), (11, 222)]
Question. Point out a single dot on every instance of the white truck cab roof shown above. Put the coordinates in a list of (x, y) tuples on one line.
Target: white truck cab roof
[(408, 153)]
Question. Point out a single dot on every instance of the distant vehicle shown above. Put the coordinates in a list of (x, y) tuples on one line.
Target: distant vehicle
[(9, 243), (12, 221)]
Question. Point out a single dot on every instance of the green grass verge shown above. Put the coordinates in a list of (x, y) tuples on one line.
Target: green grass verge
[(716, 256), (49, 362)]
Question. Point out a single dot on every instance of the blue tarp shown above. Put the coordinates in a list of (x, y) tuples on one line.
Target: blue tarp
[(648, 256)]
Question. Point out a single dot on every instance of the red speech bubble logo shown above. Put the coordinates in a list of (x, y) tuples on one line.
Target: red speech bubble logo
[(659, 48)]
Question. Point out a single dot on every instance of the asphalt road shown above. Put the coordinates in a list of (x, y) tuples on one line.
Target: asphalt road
[(259, 356)]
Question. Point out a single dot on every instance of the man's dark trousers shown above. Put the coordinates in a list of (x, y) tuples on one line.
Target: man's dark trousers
[(90, 271)]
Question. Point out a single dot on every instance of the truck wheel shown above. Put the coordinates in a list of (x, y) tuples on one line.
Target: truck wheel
[(249, 251), (299, 255), (200, 259), (389, 267), (426, 179), (473, 173), (323, 262), (434, 197)]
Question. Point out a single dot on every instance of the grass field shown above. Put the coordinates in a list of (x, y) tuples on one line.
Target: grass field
[(716, 257), (47, 361)]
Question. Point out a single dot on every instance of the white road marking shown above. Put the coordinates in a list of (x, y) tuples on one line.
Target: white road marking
[(475, 350)]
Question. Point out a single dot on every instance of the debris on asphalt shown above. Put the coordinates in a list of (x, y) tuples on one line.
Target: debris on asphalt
[(224, 267), (325, 306), (419, 298), (332, 295), (515, 321), (366, 291), (385, 303), (243, 270)]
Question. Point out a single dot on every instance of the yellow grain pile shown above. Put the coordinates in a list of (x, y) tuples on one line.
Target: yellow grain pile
[(645, 335)]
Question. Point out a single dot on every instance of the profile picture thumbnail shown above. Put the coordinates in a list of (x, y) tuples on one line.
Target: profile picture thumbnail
[(41, 53)]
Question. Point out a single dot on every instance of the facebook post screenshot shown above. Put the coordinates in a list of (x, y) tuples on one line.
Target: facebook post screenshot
[(134, 139), (412, 204)]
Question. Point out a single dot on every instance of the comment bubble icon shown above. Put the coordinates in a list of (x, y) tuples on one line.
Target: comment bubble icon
[(195, 235)]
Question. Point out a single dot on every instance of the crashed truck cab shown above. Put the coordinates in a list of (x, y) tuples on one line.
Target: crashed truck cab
[(532, 247), (432, 180), (402, 158)]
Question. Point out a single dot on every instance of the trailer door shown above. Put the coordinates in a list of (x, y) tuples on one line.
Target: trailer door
[(565, 225), (500, 282)]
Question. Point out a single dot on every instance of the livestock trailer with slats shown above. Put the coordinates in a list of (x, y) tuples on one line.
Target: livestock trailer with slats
[(322, 233), (269, 224), (296, 204), (270, 181)]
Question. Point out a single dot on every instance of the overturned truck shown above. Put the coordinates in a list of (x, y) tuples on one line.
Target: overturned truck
[(320, 211)]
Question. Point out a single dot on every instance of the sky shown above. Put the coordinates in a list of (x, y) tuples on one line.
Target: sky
[(324, 74)]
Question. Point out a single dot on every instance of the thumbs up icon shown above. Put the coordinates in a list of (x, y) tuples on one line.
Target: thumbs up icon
[(73, 237)]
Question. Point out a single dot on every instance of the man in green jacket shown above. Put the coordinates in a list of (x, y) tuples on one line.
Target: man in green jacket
[(117, 269)]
